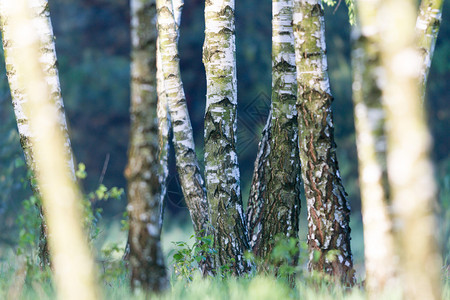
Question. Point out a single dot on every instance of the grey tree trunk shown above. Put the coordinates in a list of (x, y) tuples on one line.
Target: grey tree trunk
[(410, 172), (274, 202), (328, 209), (34, 85), (145, 172), (41, 19), (221, 162)]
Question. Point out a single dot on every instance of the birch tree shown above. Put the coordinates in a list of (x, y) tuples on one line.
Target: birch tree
[(370, 117), (146, 171), (327, 204), (410, 171), (30, 59), (183, 140), (274, 202), (427, 29), (41, 19), (221, 162)]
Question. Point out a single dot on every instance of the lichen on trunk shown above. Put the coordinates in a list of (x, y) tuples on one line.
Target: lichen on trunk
[(274, 201), (328, 209), (145, 172), (221, 161)]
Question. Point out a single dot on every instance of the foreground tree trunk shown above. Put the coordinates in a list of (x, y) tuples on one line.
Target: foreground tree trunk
[(410, 171), (328, 209), (38, 95), (41, 18), (370, 119), (145, 174), (274, 202), (221, 162)]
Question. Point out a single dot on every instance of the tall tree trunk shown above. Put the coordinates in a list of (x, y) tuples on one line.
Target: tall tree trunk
[(41, 18), (39, 103), (410, 171), (370, 118), (274, 202), (145, 174), (427, 29), (187, 165), (221, 161), (328, 209)]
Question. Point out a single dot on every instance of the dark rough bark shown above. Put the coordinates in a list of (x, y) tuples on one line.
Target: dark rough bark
[(143, 172), (328, 209), (221, 162), (274, 202)]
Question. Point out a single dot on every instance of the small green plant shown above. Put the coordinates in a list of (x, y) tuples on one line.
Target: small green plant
[(113, 266), (186, 259)]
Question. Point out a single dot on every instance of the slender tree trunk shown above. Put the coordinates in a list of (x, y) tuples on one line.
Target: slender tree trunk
[(183, 140), (370, 118), (187, 165), (26, 32), (146, 173), (328, 209), (410, 171), (427, 29), (41, 18), (274, 202), (221, 162)]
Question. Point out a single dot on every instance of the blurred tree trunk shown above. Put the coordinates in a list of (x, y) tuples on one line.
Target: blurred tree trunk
[(145, 174), (221, 161), (41, 18), (274, 202), (35, 88), (187, 165), (328, 209), (410, 171), (427, 29), (381, 268), (370, 118)]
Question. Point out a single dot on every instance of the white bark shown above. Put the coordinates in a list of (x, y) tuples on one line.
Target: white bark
[(188, 169), (380, 262), (221, 161), (410, 171), (47, 56), (73, 265)]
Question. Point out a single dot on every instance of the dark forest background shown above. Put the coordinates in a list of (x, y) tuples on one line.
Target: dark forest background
[(93, 47)]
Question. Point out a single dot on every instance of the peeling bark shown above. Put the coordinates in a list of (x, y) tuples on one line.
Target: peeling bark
[(221, 161), (146, 172), (47, 56), (274, 201), (328, 209), (410, 171)]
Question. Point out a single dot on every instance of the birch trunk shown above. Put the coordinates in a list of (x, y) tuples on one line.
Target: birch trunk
[(30, 59), (410, 171), (370, 119), (144, 172), (221, 162), (274, 202), (328, 209), (41, 19), (427, 29)]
